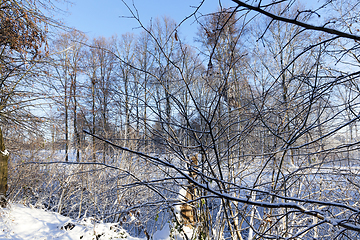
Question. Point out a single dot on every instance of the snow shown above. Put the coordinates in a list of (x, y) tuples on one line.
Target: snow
[(19, 222), (5, 152), (164, 234)]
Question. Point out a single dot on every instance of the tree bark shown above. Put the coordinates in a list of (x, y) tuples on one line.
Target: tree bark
[(4, 156), (186, 210)]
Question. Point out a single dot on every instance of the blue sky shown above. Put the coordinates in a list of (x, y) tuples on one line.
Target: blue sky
[(109, 17), (104, 17)]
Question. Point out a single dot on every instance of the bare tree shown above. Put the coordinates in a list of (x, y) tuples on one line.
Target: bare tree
[(279, 186), (101, 72), (70, 53), (264, 109), (23, 37)]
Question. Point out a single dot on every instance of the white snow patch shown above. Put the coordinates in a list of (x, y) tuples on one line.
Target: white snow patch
[(168, 234), (5, 152), (18, 222), (181, 197)]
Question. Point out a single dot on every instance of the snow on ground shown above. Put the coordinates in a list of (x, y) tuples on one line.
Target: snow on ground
[(19, 222)]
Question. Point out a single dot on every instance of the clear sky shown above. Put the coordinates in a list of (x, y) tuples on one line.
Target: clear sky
[(108, 17)]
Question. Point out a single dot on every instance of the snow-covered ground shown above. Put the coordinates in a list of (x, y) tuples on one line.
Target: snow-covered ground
[(20, 222)]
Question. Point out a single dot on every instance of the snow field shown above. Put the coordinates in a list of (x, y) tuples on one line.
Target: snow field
[(18, 222)]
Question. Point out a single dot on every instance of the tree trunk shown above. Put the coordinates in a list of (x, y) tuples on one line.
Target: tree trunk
[(93, 82), (4, 155), (186, 210)]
